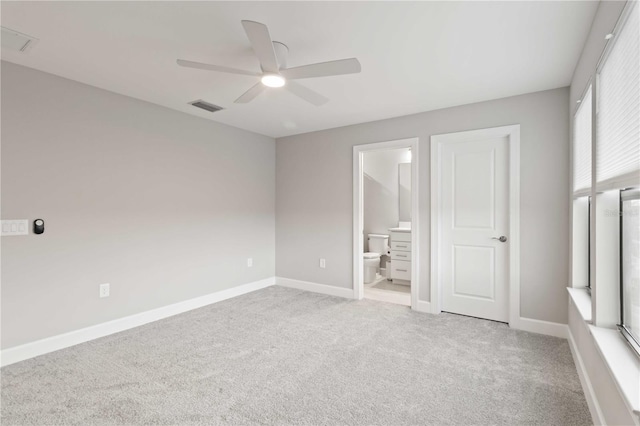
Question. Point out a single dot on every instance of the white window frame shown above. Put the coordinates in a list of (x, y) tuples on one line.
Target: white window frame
[(632, 340)]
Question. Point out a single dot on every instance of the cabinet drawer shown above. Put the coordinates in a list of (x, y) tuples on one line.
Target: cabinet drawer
[(400, 270), (400, 236), (401, 245), (401, 255)]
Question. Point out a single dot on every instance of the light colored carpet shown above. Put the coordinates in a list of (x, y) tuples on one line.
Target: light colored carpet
[(281, 356)]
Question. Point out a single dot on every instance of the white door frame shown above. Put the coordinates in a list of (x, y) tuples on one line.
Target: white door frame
[(513, 133), (358, 216)]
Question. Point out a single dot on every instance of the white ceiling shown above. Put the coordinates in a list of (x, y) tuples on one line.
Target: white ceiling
[(415, 56)]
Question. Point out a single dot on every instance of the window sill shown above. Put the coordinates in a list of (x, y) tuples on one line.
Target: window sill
[(622, 362), (582, 299)]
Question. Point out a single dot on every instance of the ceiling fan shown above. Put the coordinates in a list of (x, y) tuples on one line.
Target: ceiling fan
[(273, 62)]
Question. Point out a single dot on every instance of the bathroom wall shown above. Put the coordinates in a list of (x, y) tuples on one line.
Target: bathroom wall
[(381, 202), (162, 205), (314, 190)]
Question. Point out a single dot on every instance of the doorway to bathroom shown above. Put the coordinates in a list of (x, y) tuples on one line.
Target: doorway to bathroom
[(385, 249)]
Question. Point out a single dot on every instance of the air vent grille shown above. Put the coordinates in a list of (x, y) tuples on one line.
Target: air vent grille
[(206, 106), (19, 42)]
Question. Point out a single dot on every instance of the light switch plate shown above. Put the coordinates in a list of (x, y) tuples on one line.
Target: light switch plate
[(15, 227)]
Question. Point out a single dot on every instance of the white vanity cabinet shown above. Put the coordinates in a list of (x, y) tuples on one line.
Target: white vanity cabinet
[(400, 243)]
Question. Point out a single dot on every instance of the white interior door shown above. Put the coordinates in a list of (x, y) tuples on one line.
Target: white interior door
[(474, 218)]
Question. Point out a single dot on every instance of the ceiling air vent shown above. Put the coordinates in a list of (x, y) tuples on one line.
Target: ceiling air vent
[(206, 106), (19, 42)]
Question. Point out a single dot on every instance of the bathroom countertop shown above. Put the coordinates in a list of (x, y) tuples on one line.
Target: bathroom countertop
[(400, 229)]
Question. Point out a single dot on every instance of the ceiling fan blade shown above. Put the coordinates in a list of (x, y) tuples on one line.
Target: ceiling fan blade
[(306, 93), (250, 94), (209, 67), (260, 39), (323, 69)]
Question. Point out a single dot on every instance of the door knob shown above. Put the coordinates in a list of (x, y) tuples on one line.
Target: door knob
[(502, 239)]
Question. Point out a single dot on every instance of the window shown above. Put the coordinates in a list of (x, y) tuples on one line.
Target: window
[(582, 144), (630, 266), (617, 166), (581, 238), (618, 100), (589, 244)]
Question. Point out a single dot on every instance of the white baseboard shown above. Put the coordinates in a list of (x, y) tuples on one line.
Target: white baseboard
[(61, 341), (315, 287), (587, 388), (423, 306), (541, 327)]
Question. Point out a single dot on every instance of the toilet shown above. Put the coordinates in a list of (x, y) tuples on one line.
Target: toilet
[(378, 245)]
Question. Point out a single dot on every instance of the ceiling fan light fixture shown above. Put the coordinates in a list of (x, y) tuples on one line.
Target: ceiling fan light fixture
[(272, 56), (273, 80)]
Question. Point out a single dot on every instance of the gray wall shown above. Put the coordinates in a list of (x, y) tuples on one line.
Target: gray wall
[(314, 194), (381, 202), (162, 205)]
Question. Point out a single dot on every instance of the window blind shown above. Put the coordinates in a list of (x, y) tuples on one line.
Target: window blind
[(618, 113), (582, 144)]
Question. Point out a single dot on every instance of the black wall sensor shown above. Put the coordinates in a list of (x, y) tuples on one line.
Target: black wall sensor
[(38, 226)]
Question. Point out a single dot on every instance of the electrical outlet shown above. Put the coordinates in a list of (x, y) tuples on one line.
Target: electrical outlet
[(250, 262), (104, 290), (323, 263)]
